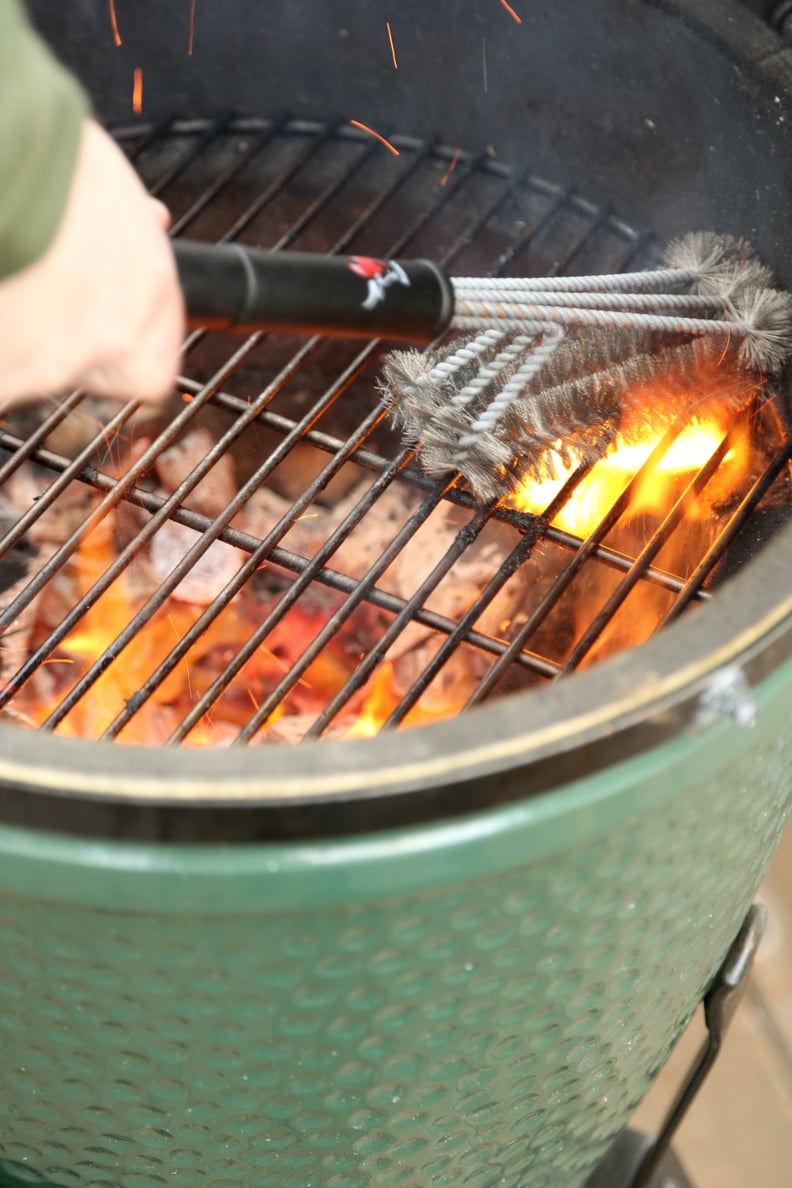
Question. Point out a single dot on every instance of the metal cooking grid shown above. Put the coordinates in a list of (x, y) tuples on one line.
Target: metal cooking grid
[(282, 184)]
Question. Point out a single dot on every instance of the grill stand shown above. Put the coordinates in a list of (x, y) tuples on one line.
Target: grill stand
[(638, 1161)]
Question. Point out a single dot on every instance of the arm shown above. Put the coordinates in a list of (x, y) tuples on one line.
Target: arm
[(88, 288), (42, 109)]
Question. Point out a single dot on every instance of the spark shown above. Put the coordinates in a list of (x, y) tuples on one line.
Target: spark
[(365, 128), (392, 46), (256, 704), (114, 22), (137, 91), (451, 168), (187, 675), (192, 28), (511, 12)]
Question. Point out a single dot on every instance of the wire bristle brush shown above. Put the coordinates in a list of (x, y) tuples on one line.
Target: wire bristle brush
[(556, 365)]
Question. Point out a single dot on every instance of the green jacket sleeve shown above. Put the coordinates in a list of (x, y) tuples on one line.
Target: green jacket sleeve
[(41, 113)]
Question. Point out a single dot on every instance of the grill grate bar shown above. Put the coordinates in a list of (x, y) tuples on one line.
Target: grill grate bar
[(339, 617), (225, 178), (284, 558), (142, 140), (190, 154), (67, 475), (508, 515), (254, 641), (364, 669), (550, 213), (264, 551), (124, 558), (507, 569), (117, 490), (745, 509), (650, 550), (321, 136), (366, 666), (570, 571), (27, 448), (462, 541)]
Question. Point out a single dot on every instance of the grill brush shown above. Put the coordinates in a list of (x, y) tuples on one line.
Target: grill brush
[(546, 364)]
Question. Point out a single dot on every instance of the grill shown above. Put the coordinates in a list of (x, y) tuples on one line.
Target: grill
[(454, 954), (322, 187)]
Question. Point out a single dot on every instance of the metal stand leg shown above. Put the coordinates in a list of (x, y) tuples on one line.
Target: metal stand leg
[(635, 1161)]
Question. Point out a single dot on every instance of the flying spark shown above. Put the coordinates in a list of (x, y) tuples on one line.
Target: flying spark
[(451, 168), (365, 128), (511, 12), (392, 46), (192, 28), (137, 91), (114, 23)]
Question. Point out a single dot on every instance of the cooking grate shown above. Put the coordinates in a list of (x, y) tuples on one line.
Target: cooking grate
[(303, 420)]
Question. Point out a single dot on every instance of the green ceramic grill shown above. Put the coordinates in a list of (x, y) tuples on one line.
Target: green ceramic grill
[(458, 952)]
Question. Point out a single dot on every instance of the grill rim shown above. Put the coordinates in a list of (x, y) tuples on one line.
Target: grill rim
[(615, 711)]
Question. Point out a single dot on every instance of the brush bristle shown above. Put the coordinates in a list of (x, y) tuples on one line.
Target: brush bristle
[(567, 423), (502, 406), (725, 265), (768, 344)]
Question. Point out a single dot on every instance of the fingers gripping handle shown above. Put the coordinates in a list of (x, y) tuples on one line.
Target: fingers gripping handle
[(229, 286)]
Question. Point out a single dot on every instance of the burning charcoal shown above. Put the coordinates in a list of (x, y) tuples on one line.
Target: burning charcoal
[(216, 490), (209, 574)]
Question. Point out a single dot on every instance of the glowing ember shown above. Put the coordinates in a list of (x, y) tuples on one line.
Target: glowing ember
[(365, 128), (192, 28), (137, 91)]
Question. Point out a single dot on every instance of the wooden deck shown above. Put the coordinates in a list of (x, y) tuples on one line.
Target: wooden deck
[(739, 1131)]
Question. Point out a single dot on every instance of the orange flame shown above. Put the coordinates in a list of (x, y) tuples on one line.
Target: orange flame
[(594, 496)]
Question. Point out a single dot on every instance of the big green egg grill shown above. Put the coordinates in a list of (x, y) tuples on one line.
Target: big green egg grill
[(455, 953)]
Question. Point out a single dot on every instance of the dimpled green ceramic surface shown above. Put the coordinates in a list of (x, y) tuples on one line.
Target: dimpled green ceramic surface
[(477, 1002)]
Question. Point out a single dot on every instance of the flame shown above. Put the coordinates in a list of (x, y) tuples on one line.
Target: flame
[(594, 496), (382, 694)]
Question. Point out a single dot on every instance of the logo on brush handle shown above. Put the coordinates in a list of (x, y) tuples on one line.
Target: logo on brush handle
[(379, 274)]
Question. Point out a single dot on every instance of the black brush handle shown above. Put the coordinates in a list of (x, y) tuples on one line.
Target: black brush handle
[(227, 286)]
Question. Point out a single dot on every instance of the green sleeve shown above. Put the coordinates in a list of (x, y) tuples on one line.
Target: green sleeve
[(41, 112)]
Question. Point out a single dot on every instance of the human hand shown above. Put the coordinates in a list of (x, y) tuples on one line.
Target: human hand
[(102, 309)]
